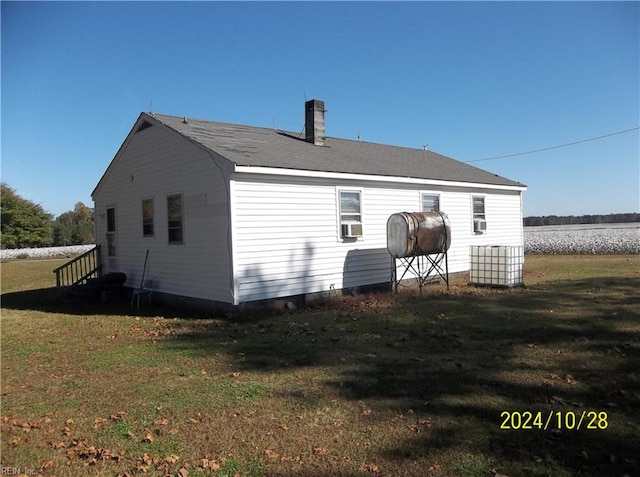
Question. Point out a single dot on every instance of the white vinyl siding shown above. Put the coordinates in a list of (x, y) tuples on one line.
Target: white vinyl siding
[(157, 162), (285, 236)]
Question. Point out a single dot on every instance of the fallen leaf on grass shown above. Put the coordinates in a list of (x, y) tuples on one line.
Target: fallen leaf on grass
[(320, 451), (100, 423), (209, 464), (117, 416), (171, 459), (196, 420), (161, 422), (90, 454), (148, 438), (183, 472), (25, 426), (46, 464), (366, 412), (106, 454), (374, 468), (15, 442), (569, 379), (271, 454)]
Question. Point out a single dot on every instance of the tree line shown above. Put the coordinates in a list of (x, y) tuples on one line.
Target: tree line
[(581, 219), (25, 224)]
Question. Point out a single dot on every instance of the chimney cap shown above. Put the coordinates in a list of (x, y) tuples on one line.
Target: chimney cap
[(317, 104)]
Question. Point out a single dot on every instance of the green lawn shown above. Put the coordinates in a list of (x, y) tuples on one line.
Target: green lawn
[(376, 385)]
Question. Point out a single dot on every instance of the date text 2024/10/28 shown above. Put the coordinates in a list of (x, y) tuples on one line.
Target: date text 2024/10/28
[(568, 420)]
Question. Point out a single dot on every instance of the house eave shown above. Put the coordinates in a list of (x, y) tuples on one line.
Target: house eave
[(273, 171)]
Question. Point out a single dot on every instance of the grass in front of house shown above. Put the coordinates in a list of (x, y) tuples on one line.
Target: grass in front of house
[(379, 384)]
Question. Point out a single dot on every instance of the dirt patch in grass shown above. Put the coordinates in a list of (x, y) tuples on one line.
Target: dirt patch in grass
[(379, 384)]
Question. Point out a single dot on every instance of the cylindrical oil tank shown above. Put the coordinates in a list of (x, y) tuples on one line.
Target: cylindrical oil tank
[(418, 233)]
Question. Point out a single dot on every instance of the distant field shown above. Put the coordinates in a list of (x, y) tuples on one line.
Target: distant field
[(551, 239), (44, 252), (535, 381), (583, 239)]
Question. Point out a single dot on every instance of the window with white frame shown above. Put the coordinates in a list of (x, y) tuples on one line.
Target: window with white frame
[(479, 215), (430, 203), (350, 209)]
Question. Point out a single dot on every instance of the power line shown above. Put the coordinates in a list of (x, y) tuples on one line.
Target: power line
[(556, 147)]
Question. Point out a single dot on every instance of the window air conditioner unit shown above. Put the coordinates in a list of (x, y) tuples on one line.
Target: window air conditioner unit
[(352, 230), (479, 226)]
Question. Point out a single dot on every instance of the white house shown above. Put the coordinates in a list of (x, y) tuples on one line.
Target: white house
[(232, 214)]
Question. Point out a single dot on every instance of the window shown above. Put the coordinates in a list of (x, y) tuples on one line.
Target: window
[(479, 217), (430, 203), (174, 219), (111, 219), (350, 214), (147, 218), (111, 232)]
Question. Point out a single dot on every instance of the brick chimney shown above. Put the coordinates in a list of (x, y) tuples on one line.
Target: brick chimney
[(314, 122)]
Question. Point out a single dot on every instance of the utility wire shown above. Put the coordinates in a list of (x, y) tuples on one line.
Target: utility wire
[(555, 147)]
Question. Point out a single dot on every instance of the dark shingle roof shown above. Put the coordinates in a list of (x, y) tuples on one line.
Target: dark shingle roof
[(255, 146)]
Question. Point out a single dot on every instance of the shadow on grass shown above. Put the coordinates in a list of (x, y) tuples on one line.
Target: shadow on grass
[(48, 301), (458, 360)]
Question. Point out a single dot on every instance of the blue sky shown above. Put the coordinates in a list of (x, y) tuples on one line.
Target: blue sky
[(471, 80)]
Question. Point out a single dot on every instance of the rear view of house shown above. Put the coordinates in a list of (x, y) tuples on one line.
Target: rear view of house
[(233, 214)]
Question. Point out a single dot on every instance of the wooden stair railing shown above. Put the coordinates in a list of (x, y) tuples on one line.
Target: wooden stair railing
[(79, 270)]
